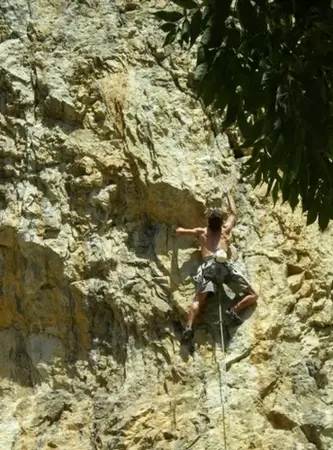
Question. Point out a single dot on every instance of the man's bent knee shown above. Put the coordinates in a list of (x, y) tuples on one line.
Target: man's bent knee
[(195, 305), (255, 293), (199, 300), (252, 295)]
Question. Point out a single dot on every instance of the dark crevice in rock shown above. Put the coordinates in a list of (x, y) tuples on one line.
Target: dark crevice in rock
[(52, 405), (146, 137), (312, 434), (192, 444), (293, 269), (128, 7), (268, 389), (290, 308), (317, 373), (73, 334), (238, 358), (280, 421), (30, 10), (24, 371)]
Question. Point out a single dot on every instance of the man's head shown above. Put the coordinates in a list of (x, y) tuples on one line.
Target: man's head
[(215, 220)]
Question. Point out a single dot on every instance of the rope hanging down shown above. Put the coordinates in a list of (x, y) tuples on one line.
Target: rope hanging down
[(223, 373)]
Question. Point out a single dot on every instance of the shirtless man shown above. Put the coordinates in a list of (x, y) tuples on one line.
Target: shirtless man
[(215, 269)]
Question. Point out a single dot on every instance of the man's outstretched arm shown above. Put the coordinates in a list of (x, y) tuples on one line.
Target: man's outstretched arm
[(232, 218), (189, 231)]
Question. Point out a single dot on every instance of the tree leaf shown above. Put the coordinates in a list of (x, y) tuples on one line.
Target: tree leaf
[(179, 38), (256, 130), (285, 189), (243, 124), (312, 215), (265, 168), (247, 15), (195, 27), (201, 55), (324, 219), (222, 9), (186, 31), (168, 16), (233, 38), (232, 111), (170, 37), (258, 177), (293, 197), (251, 166), (304, 179), (261, 3), (278, 148), (222, 99), (208, 90), (275, 192), (200, 72), (254, 97), (189, 4), (168, 26), (269, 186), (206, 37)]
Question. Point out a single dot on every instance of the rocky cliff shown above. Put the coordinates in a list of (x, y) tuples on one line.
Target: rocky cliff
[(102, 149)]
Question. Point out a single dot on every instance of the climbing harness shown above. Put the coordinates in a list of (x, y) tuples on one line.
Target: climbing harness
[(223, 375)]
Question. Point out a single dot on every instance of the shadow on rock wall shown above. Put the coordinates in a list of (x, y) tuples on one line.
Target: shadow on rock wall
[(47, 321)]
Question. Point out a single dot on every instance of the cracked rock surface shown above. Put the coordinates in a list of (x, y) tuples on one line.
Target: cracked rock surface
[(102, 150)]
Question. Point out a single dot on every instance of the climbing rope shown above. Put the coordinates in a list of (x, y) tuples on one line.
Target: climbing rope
[(223, 374)]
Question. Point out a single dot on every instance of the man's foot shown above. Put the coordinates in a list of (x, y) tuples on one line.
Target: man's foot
[(187, 335), (233, 317)]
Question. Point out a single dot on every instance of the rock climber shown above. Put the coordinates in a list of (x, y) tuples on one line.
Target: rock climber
[(215, 268)]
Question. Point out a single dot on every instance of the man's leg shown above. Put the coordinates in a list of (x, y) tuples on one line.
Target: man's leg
[(239, 285), (251, 297), (198, 302)]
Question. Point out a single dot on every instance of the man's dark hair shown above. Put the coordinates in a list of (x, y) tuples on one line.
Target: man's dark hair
[(215, 220)]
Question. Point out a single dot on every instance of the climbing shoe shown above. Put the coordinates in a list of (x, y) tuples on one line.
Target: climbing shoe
[(233, 317), (187, 335)]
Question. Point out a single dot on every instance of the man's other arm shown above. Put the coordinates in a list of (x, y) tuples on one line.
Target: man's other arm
[(189, 231), (232, 218)]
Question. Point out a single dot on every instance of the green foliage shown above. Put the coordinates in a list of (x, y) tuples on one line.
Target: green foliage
[(267, 66)]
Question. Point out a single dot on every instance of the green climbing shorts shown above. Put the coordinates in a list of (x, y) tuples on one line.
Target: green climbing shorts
[(212, 273)]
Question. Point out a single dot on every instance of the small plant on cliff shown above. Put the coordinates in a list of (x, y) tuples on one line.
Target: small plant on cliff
[(267, 66)]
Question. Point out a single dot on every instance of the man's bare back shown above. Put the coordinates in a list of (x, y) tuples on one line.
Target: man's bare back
[(211, 241)]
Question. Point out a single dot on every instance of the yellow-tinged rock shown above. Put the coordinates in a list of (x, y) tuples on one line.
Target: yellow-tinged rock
[(104, 152)]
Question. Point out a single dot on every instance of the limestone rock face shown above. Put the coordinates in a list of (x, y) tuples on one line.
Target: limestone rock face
[(102, 150)]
